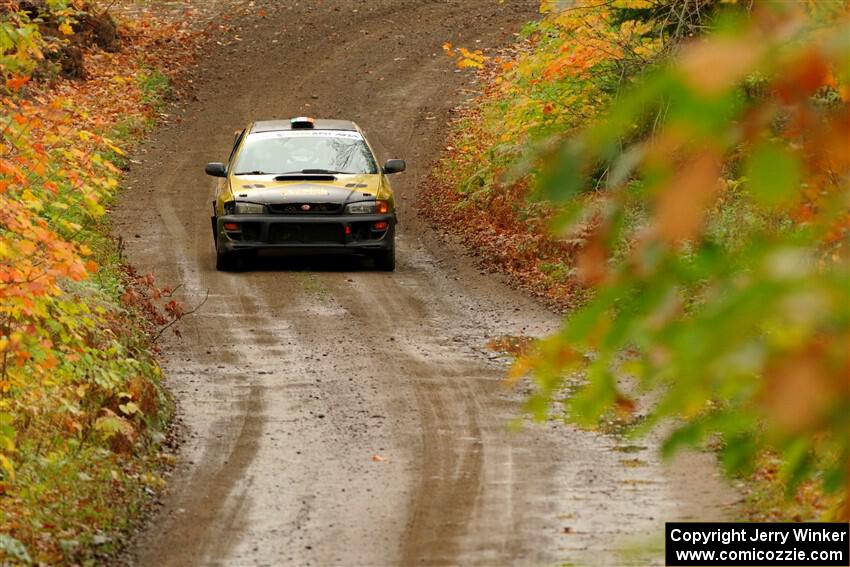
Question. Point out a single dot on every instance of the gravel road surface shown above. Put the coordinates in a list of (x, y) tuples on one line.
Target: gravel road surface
[(339, 416)]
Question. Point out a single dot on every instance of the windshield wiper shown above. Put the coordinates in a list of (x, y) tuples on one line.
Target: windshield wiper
[(252, 173)]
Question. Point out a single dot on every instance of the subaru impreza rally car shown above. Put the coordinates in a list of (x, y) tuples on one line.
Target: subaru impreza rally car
[(303, 186)]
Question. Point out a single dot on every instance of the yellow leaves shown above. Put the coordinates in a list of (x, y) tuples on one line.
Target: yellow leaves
[(117, 430), (111, 168), (648, 49), (94, 208), (154, 480), (465, 58), (468, 62), (27, 247), (551, 6), (7, 467), (66, 28), (33, 202), (7, 445), (130, 408), (547, 6), (635, 28), (634, 4)]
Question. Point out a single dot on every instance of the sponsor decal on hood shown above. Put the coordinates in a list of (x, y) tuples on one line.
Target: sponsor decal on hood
[(299, 192)]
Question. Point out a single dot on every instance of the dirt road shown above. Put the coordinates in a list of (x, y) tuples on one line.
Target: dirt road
[(337, 416)]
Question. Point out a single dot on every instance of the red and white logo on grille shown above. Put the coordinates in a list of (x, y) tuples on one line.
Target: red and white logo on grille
[(305, 207)]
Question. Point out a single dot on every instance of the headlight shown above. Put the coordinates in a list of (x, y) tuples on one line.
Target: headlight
[(248, 208), (368, 208)]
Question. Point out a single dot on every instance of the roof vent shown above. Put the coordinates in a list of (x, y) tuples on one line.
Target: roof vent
[(302, 122)]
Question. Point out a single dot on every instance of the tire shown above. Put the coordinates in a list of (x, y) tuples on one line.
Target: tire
[(384, 260), (226, 261)]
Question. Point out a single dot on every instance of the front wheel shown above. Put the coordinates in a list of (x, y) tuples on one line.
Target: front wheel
[(226, 261), (384, 260)]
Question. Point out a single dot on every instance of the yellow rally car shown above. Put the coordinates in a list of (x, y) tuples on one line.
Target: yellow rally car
[(303, 186)]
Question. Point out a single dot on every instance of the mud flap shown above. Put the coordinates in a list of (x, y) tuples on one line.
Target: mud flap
[(214, 224)]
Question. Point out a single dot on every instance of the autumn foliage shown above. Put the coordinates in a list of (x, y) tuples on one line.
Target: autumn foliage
[(691, 162), (81, 407)]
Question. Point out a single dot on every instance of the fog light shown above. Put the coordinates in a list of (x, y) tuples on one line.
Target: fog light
[(231, 226), (380, 225)]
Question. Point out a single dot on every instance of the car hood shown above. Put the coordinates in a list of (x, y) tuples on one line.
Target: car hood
[(343, 188)]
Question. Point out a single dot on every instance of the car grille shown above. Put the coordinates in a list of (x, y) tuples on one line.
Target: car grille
[(298, 208), (307, 233), (250, 231)]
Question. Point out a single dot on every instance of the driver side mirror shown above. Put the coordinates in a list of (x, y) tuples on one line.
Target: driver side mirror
[(216, 169), (394, 166)]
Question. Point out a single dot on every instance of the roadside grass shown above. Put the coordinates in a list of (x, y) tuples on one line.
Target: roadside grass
[(156, 88), (312, 285), (123, 135), (82, 499)]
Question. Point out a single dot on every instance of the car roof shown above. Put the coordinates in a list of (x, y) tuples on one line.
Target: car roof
[(319, 124)]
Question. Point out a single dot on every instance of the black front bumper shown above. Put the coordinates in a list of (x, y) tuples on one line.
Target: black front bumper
[(304, 233)]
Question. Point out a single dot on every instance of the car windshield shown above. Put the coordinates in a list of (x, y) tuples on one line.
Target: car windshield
[(296, 151)]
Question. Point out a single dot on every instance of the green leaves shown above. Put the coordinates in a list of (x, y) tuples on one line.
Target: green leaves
[(14, 549), (774, 174), (727, 297), (20, 46)]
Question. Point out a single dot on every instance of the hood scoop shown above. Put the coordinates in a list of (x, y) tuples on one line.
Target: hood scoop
[(305, 177)]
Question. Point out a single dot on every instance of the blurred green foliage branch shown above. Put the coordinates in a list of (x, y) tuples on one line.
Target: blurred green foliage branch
[(712, 202)]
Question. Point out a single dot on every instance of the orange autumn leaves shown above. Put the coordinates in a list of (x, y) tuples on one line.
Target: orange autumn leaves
[(51, 182), (54, 179), (35, 252), (595, 38), (712, 200)]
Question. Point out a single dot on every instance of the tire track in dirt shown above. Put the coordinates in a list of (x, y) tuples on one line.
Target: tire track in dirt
[(295, 374)]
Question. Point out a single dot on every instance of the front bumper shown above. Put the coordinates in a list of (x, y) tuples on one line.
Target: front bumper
[(305, 233)]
